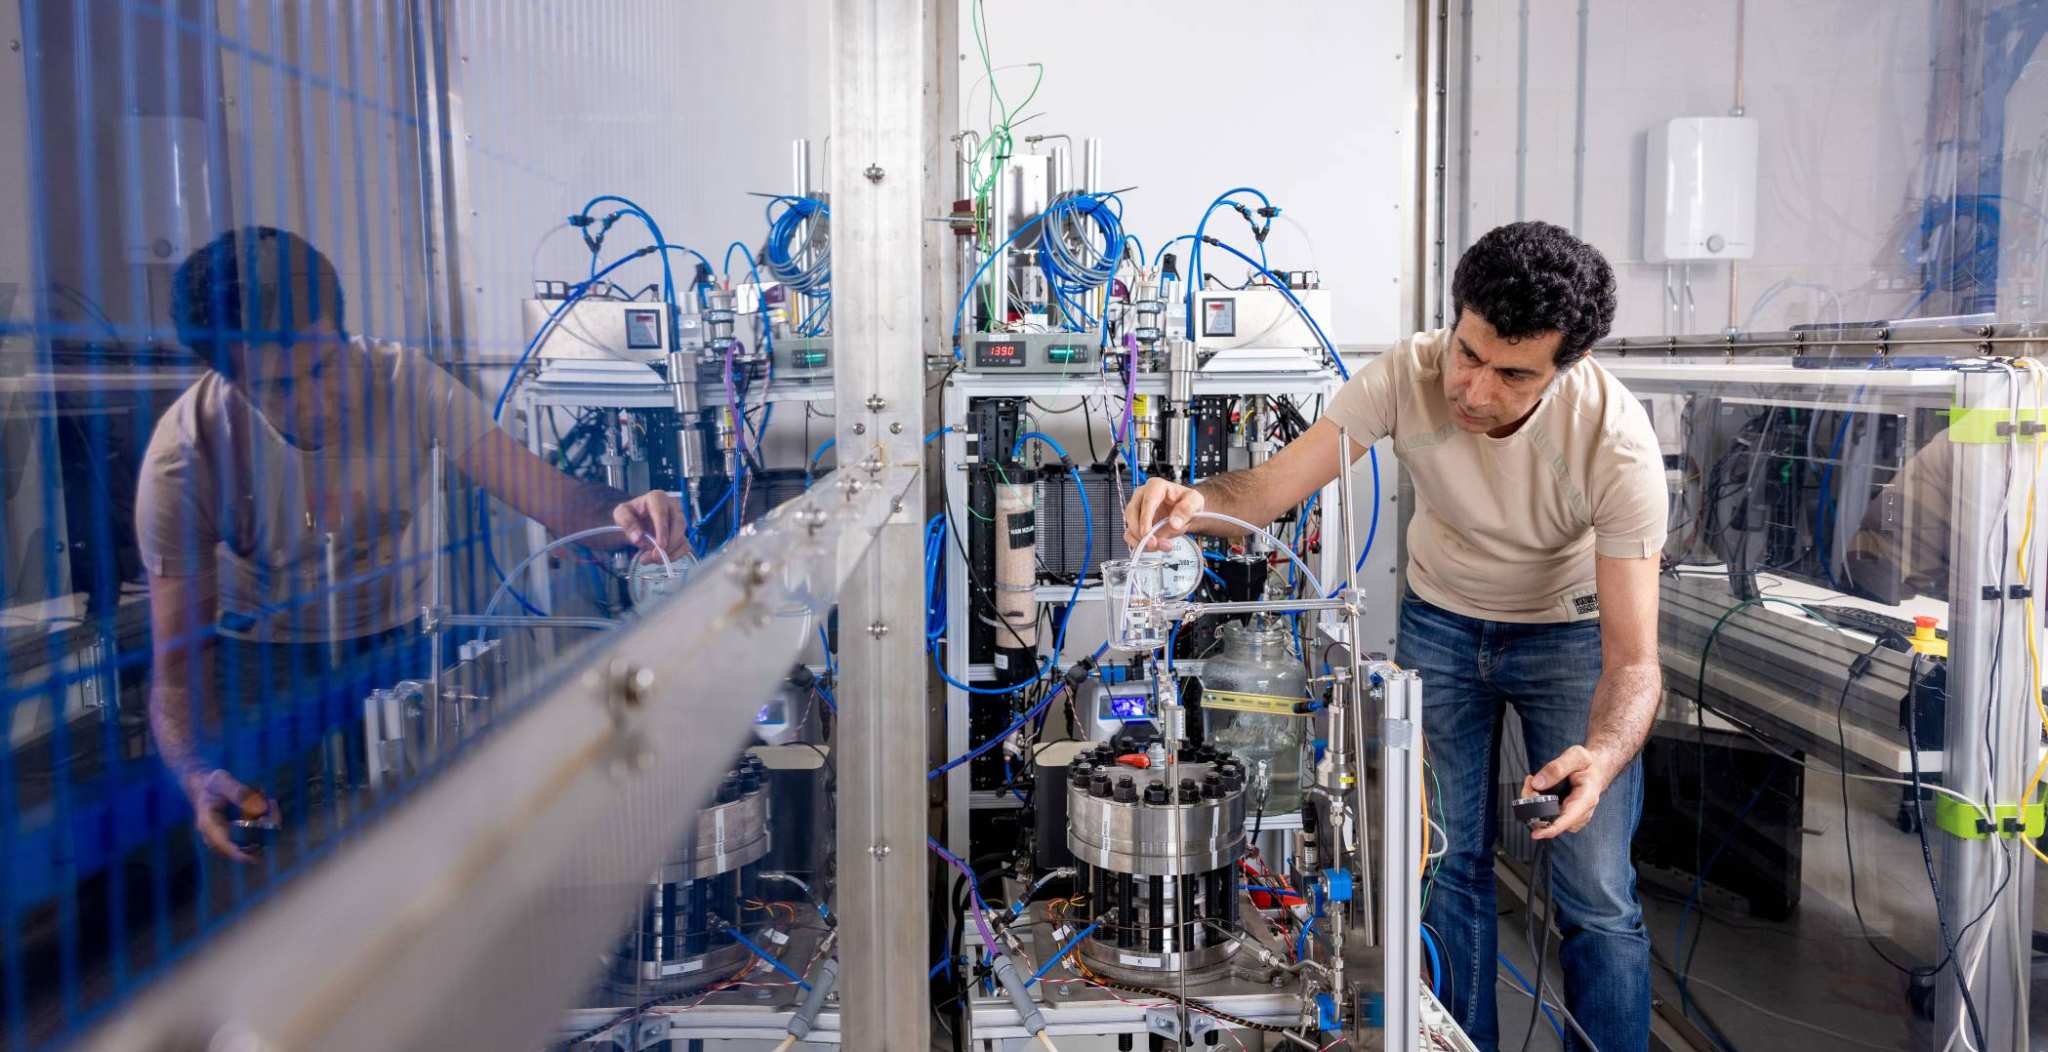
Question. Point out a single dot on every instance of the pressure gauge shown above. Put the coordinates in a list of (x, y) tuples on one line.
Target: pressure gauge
[(1183, 568)]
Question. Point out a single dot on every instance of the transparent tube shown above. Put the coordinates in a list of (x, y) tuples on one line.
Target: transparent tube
[(505, 589), (1279, 545)]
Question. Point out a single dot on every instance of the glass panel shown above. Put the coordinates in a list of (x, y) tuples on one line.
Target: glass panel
[(1856, 194), (329, 434)]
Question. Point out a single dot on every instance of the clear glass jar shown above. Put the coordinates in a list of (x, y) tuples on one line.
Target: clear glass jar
[(1249, 691)]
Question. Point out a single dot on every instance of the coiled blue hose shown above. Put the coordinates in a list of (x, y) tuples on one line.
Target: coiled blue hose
[(1074, 264), (812, 278)]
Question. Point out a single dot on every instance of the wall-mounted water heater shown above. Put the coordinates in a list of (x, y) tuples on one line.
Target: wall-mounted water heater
[(1701, 199)]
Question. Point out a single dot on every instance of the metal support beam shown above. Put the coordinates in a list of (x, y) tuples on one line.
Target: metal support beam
[(1400, 846), (882, 160), (1992, 725), (472, 915)]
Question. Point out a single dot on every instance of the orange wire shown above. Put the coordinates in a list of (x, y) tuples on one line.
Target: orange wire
[(1423, 868)]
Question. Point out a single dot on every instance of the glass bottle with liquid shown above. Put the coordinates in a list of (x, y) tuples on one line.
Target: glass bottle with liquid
[(1249, 690)]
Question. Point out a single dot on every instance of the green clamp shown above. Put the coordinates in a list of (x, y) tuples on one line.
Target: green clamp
[(1965, 822), (1988, 426)]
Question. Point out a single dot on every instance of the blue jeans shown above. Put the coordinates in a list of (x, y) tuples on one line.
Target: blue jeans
[(1471, 670)]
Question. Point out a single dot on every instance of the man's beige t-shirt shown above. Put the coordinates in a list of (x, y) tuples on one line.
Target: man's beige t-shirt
[(223, 492), (1505, 529)]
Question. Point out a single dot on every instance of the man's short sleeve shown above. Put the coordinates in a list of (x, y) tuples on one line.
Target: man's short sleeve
[(446, 412), (1368, 404), (1630, 498), (177, 526)]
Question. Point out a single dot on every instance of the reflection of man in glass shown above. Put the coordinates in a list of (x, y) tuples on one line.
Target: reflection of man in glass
[(284, 519)]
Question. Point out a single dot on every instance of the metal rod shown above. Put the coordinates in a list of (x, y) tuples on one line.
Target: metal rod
[(1438, 293), (1262, 606), (998, 238), (333, 602), (524, 620), (800, 167), (1672, 344), (1401, 840), (1991, 724), (438, 467), (1347, 513), (1579, 126)]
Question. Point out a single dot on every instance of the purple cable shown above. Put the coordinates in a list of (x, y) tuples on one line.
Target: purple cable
[(988, 935)]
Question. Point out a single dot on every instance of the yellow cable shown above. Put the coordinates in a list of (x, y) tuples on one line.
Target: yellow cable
[(2033, 369)]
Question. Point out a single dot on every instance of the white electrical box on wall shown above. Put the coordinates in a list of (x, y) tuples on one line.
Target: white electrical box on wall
[(1701, 199)]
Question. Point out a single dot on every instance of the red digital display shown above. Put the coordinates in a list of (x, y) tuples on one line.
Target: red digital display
[(998, 353)]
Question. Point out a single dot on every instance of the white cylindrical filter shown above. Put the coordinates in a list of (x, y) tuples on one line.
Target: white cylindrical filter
[(1016, 600), (1091, 165)]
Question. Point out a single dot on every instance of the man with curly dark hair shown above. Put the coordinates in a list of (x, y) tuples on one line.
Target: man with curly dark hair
[(281, 516), (1539, 507)]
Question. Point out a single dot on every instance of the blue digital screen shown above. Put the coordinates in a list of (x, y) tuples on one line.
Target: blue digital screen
[(1129, 707), (770, 713)]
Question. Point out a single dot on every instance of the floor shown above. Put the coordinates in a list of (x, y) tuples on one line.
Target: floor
[(1811, 983)]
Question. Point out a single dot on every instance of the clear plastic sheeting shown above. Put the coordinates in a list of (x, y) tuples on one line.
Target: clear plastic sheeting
[(1828, 224), (1847, 598), (1899, 166), (362, 368)]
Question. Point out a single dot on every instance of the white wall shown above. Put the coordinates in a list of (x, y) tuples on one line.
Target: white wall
[(1840, 89), (685, 106), (1302, 98)]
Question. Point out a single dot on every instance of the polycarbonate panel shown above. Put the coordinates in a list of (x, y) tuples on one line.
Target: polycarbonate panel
[(1846, 205), (301, 355), (1900, 169)]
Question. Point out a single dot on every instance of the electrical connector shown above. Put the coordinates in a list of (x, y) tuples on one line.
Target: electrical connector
[(822, 983), (1028, 1011)]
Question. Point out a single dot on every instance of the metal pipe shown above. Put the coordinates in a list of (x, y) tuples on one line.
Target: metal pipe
[(1991, 728), (1401, 839), (800, 186), (524, 621), (1263, 606), (1741, 12), (438, 468), (1735, 266), (998, 239), (1522, 114), (1443, 47), (1091, 164), (800, 167), (333, 602), (1347, 512), (1579, 126)]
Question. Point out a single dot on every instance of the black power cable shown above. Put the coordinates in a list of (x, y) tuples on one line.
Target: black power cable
[(1540, 884), (1948, 941)]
